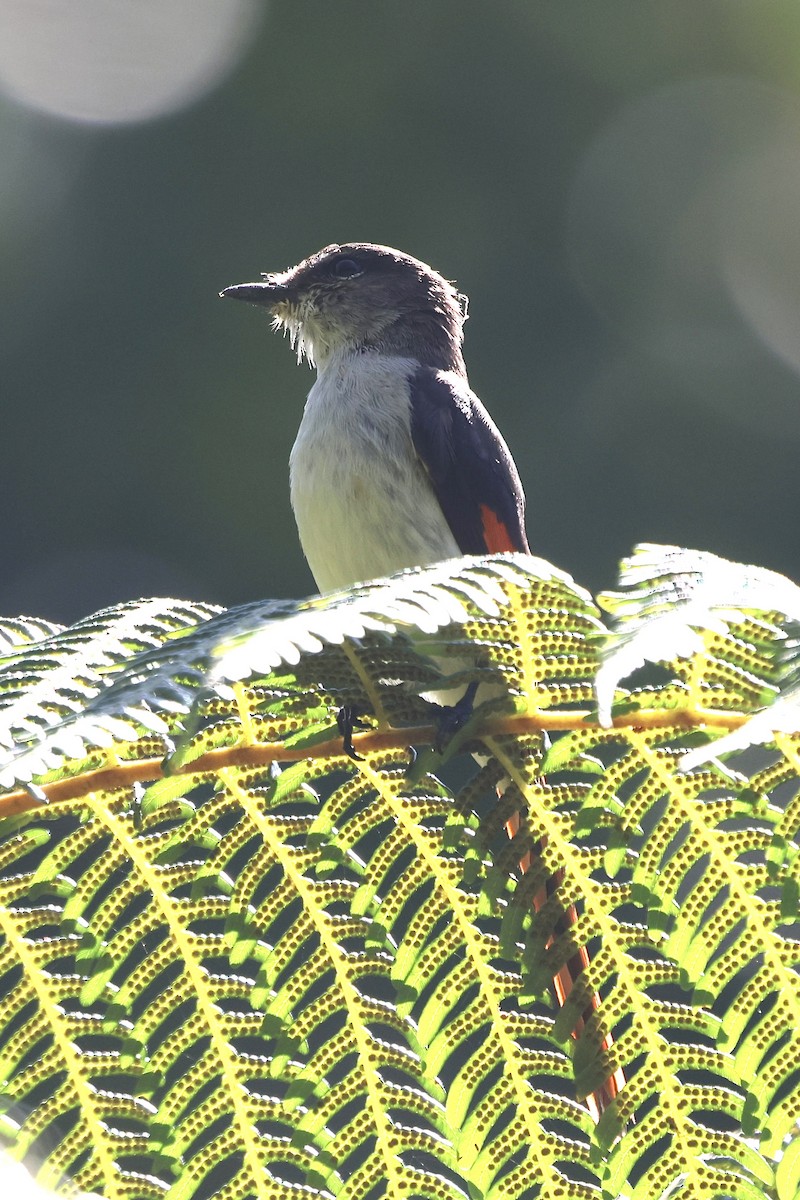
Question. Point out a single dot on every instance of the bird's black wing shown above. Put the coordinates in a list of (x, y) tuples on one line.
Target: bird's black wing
[(470, 468)]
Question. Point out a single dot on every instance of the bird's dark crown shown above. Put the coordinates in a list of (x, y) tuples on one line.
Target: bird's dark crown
[(367, 297)]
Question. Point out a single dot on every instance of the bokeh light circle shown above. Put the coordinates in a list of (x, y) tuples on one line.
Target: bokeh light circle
[(118, 61), (682, 232)]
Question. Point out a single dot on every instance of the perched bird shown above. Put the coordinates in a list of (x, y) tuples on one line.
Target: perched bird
[(396, 462)]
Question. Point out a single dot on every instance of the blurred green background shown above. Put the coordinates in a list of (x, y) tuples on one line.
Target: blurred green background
[(615, 185)]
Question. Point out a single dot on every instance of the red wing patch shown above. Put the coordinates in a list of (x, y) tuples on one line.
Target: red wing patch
[(496, 533)]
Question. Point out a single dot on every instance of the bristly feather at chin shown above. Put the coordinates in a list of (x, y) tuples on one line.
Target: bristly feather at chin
[(299, 322), (288, 320)]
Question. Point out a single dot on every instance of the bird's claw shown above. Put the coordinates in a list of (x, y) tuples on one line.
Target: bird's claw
[(348, 720)]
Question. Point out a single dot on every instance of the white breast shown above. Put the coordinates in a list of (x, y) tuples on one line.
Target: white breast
[(363, 503)]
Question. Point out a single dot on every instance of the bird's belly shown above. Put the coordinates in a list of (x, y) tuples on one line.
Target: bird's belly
[(364, 509)]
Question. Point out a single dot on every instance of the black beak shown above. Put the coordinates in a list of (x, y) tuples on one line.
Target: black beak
[(267, 292)]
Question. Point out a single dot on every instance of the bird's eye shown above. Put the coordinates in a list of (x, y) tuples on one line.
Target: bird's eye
[(346, 268)]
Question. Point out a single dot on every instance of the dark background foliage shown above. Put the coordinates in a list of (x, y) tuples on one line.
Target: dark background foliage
[(616, 186)]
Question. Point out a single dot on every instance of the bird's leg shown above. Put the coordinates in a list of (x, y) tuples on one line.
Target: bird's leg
[(348, 720)]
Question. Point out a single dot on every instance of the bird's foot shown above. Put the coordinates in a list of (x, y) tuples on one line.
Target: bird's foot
[(453, 717), (449, 722), (348, 720)]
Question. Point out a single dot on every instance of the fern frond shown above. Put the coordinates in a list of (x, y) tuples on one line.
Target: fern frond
[(46, 680), (260, 967), (673, 605)]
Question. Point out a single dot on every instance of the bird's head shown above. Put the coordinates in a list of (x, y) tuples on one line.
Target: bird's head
[(360, 296)]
